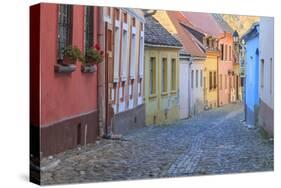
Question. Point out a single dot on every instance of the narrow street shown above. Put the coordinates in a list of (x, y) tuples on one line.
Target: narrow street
[(214, 142)]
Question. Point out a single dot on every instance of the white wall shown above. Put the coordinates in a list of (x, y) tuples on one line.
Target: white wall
[(183, 88), (196, 94), (266, 43)]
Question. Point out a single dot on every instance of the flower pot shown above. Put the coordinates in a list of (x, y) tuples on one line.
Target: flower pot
[(88, 68), (68, 61)]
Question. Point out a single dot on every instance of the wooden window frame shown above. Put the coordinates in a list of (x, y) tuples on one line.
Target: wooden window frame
[(173, 75), (164, 75), (152, 76), (210, 80), (65, 23)]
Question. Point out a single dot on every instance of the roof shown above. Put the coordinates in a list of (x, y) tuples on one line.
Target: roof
[(211, 24), (252, 30), (222, 23), (156, 34), (205, 22), (191, 45)]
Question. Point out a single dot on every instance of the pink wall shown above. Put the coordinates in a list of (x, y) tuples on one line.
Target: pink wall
[(224, 66), (70, 94)]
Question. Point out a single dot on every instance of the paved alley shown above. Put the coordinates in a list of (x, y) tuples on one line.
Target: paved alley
[(212, 142)]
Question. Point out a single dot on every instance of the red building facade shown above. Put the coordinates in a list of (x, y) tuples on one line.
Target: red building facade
[(63, 105)]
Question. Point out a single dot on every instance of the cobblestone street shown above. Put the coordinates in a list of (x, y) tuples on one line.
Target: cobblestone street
[(213, 142)]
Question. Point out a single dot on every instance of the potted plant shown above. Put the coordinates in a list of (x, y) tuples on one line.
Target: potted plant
[(94, 55), (71, 54)]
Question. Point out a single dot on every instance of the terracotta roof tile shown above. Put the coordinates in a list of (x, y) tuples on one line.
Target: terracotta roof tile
[(191, 44)]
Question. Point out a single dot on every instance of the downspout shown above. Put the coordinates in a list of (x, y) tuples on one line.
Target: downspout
[(189, 85), (106, 82)]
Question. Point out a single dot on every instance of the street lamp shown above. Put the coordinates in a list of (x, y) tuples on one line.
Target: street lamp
[(235, 36)]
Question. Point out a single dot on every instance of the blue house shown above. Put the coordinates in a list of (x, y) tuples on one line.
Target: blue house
[(251, 38)]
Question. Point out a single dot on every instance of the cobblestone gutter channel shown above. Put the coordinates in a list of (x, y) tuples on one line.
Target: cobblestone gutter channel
[(213, 142)]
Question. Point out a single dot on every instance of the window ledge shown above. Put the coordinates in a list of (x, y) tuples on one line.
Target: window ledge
[(173, 92), (88, 68), (64, 68), (164, 93), (152, 96)]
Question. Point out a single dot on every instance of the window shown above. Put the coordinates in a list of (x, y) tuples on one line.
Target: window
[(173, 75), (262, 73), (225, 81), (140, 87), (113, 95), (271, 77), (215, 80), (210, 81), (131, 89), (201, 78), (141, 55), (64, 28), (125, 17), (133, 22), (225, 58), (117, 13), (116, 52), (152, 76), (108, 13), (109, 40), (220, 81), (122, 94), (133, 55), (242, 82), (124, 52), (230, 53), (192, 78), (89, 27), (164, 75), (222, 52), (196, 79)]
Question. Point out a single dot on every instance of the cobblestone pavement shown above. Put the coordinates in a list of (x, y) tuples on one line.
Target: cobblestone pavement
[(212, 142)]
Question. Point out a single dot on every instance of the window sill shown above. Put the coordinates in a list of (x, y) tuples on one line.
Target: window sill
[(88, 68), (64, 68), (164, 93), (152, 96), (173, 92)]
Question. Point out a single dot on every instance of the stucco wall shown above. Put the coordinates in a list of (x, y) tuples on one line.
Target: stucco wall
[(196, 94), (224, 67), (63, 95), (161, 108), (211, 96), (252, 78), (183, 88), (266, 43)]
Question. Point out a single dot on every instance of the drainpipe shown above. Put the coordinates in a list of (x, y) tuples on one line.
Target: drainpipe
[(189, 85)]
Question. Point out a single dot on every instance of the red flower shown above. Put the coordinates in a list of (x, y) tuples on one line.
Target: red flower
[(97, 46)]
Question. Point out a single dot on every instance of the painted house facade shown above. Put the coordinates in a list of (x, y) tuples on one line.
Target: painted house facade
[(192, 58), (266, 64), (122, 79), (161, 74), (64, 109), (251, 38), (214, 26), (211, 73)]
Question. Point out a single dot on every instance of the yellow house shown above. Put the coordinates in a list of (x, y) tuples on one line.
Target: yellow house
[(211, 73), (161, 59)]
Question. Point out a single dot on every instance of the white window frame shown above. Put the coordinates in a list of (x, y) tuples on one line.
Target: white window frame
[(133, 53), (116, 50)]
